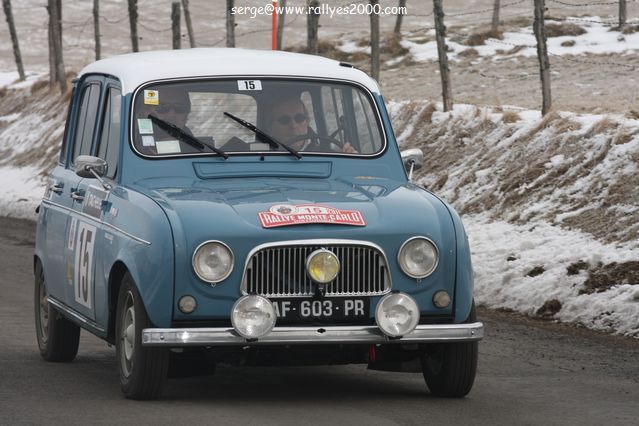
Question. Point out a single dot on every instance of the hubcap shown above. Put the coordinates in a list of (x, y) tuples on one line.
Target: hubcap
[(127, 335), (44, 313)]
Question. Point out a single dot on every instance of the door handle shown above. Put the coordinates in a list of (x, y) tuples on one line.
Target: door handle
[(78, 195), (57, 187)]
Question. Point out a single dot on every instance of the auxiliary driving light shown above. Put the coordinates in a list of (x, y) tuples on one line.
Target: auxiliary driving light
[(397, 314), (253, 316), (322, 266)]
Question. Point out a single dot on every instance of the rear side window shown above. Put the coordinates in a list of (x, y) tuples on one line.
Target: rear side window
[(110, 135), (86, 120)]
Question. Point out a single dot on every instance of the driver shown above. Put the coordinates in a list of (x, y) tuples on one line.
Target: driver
[(288, 120)]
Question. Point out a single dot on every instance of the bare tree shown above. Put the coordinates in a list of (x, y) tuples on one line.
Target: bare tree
[(374, 17), (400, 16), (230, 24), (495, 24), (312, 23), (542, 54), (55, 48), (6, 5), (280, 24), (187, 19), (175, 24), (96, 28), (444, 70), (133, 22), (622, 14)]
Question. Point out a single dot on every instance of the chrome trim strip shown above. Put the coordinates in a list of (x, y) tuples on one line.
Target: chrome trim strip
[(115, 228), (424, 333), (85, 322), (326, 241)]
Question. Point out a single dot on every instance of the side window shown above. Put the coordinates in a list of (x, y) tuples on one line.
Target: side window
[(110, 134), (67, 131), (86, 120)]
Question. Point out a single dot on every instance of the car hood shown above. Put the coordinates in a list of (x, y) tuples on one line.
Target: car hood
[(230, 208)]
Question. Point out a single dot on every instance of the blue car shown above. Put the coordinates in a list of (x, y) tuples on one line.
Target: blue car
[(228, 206)]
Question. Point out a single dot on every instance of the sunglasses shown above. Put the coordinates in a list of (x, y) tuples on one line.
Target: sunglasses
[(285, 120), (178, 108)]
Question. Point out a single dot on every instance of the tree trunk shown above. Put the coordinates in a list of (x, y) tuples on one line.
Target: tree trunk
[(280, 24), (175, 24), (542, 53), (96, 28), (444, 70), (52, 68), (622, 14), (230, 24), (400, 17), (189, 24), (6, 5), (313, 25), (133, 22), (374, 39), (495, 24), (54, 24)]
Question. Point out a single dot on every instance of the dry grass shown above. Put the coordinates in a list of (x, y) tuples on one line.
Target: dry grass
[(630, 29), (426, 115), (479, 38), (510, 117), (565, 125), (605, 125), (633, 114), (606, 276), (39, 85), (568, 43), (469, 53), (564, 29), (549, 309), (519, 21), (392, 45)]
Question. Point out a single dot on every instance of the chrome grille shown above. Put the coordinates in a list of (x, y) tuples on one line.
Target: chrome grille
[(280, 271)]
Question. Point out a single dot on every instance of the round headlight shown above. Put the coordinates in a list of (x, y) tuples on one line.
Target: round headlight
[(322, 266), (253, 316), (213, 261), (397, 314), (418, 257)]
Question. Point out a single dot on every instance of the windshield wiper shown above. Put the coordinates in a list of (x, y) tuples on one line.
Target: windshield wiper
[(179, 133), (271, 140)]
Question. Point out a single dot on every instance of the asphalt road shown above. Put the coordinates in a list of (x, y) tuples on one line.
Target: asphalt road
[(529, 373)]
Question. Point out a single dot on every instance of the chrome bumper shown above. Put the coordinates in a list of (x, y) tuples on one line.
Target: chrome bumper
[(310, 335)]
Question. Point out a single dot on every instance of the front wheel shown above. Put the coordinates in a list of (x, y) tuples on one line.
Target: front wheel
[(449, 368), (143, 370), (58, 338)]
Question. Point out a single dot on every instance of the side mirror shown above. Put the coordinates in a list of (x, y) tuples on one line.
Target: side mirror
[(413, 159), (87, 166)]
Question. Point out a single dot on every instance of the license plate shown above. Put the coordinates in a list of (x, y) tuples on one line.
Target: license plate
[(325, 309)]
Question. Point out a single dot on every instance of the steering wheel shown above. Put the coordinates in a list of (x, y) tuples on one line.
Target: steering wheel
[(334, 144)]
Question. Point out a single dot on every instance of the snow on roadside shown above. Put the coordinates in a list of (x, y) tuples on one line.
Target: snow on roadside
[(23, 188)]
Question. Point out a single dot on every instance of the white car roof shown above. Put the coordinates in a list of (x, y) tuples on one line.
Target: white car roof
[(134, 69)]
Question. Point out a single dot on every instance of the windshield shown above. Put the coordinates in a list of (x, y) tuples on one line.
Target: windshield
[(259, 115)]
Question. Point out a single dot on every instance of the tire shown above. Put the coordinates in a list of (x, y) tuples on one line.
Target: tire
[(58, 338), (143, 370), (449, 368)]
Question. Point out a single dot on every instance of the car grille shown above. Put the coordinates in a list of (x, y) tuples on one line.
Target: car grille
[(280, 271)]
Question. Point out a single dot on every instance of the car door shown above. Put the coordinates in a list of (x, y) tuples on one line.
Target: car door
[(90, 264), (81, 228)]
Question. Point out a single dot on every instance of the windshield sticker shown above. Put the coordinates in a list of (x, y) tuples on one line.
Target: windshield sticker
[(167, 147), (151, 97), (147, 140), (145, 126), (301, 214), (249, 85)]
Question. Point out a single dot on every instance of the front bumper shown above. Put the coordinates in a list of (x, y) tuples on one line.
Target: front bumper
[(224, 336)]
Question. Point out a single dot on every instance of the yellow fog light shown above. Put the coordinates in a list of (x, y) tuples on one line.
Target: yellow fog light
[(322, 266)]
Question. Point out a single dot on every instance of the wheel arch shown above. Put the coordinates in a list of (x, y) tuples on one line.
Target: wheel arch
[(116, 274)]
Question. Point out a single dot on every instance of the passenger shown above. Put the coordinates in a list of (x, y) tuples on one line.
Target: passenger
[(288, 121)]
